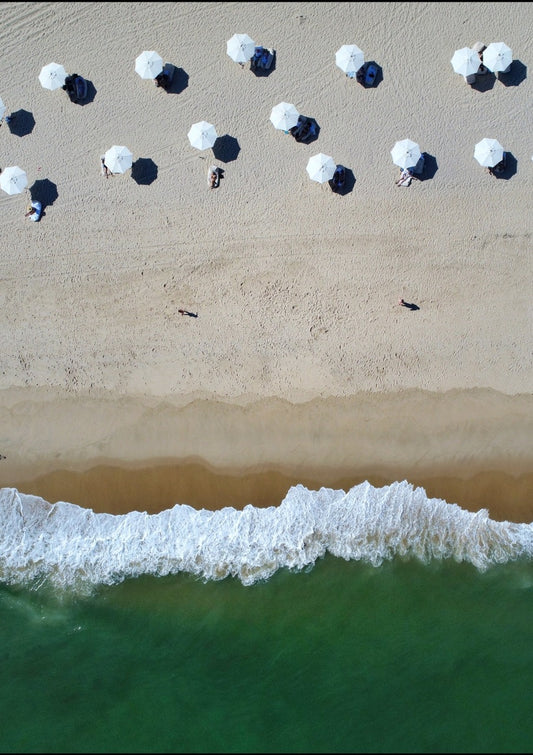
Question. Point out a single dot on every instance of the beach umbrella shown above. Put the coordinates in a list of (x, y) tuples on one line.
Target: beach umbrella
[(488, 152), (405, 153), (202, 135), (497, 57), (240, 48), (349, 58), (13, 180), (466, 61), (148, 64), (52, 76), (118, 159), (2, 109), (284, 116), (321, 167)]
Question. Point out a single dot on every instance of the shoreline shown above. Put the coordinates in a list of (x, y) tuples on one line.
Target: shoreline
[(120, 489), (120, 453)]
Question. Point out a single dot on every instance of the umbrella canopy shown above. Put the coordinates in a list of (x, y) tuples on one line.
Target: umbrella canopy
[(488, 152), (148, 64), (349, 58), (118, 159), (52, 76), (321, 167), (466, 61), (240, 48), (497, 56), (406, 153), (2, 109), (284, 116), (13, 180), (202, 135)]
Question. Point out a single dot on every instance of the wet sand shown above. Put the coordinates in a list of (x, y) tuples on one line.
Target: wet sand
[(467, 447)]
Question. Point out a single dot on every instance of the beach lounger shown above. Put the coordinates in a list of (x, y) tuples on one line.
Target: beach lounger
[(370, 75), (262, 58), (305, 129), (339, 178), (366, 75), (76, 87)]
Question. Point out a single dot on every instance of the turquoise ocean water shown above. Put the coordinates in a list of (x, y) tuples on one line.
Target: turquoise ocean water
[(375, 620)]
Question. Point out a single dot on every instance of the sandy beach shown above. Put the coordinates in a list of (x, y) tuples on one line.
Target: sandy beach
[(300, 366)]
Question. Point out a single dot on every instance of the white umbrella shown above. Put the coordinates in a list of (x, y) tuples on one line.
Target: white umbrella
[(466, 61), (118, 159), (488, 152), (284, 116), (148, 64), (202, 135), (497, 56), (349, 58), (13, 180), (52, 76), (406, 153), (240, 48), (2, 109), (321, 167)]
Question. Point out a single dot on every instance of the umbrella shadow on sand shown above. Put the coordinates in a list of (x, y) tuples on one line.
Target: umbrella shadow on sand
[(430, 167), (516, 75), (510, 169), (484, 82), (44, 191), (144, 171), (91, 94), (21, 123), (226, 148), (349, 183), (180, 81)]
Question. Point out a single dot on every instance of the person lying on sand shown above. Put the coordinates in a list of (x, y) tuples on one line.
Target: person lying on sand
[(405, 178), (105, 170), (213, 177)]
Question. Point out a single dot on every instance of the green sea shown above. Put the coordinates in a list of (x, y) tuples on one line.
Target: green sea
[(383, 649)]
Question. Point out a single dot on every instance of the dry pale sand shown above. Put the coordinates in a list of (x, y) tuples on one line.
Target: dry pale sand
[(300, 362)]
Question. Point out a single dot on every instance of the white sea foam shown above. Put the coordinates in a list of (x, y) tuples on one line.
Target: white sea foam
[(68, 546)]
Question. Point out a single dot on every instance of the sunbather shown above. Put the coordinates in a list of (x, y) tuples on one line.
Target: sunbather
[(161, 80), (213, 177), (405, 178), (105, 170), (498, 168)]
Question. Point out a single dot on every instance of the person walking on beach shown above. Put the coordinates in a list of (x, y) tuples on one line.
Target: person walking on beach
[(407, 304)]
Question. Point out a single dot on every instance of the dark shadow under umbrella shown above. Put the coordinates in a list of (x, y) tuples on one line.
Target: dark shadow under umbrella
[(21, 122), (44, 191), (144, 171), (226, 148)]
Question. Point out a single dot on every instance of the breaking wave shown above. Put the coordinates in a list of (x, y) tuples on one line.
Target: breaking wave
[(67, 546)]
